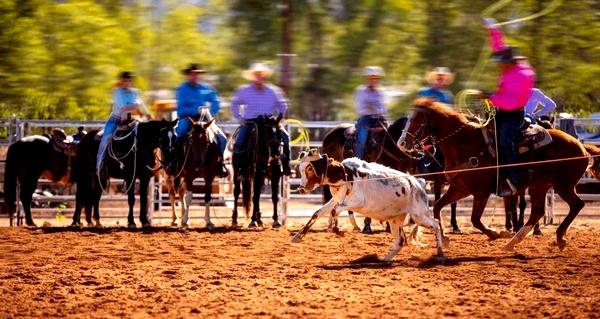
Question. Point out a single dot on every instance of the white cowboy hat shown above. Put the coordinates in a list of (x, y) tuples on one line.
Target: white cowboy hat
[(444, 71), (373, 71), (255, 68)]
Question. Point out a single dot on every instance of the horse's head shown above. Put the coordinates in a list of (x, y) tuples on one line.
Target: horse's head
[(312, 167), (417, 129), (270, 126), (200, 139)]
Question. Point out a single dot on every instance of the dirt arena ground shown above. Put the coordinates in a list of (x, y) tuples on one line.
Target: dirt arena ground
[(165, 272)]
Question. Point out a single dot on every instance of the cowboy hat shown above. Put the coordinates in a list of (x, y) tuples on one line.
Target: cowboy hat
[(373, 71), (443, 71), (257, 67), (194, 68), (126, 75), (506, 55)]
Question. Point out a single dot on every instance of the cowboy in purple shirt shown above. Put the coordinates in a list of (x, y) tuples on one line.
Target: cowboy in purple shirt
[(258, 99)]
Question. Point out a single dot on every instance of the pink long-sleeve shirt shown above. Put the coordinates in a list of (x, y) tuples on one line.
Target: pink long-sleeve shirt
[(515, 84)]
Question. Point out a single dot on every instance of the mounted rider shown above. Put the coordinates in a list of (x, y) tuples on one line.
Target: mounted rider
[(255, 100), (192, 97), (439, 79), (126, 100), (514, 90), (369, 99)]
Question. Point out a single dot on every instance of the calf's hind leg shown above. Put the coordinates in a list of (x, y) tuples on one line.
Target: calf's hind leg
[(421, 218)]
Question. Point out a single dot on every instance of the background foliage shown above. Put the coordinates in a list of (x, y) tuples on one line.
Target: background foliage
[(60, 59)]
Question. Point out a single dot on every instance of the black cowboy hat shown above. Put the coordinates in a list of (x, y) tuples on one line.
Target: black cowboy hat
[(126, 75), (194, 68), (506, 55)]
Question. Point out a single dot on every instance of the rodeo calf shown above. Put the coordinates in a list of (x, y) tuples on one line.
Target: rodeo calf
[(370, 189)]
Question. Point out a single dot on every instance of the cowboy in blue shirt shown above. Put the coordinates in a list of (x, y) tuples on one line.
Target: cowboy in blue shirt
[(439, 79), (192, 96)]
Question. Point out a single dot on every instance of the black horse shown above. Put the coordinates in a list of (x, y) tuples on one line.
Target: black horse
[(201, 159), (129, 157), (30, 158), (258, 159)]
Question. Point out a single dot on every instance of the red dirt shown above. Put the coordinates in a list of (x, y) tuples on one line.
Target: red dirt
[(113, 272)]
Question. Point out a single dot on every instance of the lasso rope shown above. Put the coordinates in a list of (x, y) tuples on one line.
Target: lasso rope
[(462, 103), (489, 11), (303, 136)]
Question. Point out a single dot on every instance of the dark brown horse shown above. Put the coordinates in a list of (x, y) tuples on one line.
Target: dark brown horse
[(462, 143), (48, 156), (383, 151), (201, 160)]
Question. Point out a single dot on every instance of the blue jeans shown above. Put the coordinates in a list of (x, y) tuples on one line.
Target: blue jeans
[(363, 125), (509, 125), (109, 129)]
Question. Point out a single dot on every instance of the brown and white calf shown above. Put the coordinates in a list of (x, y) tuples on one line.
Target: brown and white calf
[(370, 189)]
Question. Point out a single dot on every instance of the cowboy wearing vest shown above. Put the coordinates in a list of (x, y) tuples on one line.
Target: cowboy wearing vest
[(439, 79), (370, 106), (258, 99), (514, 90), (192, 97), (126, 100)]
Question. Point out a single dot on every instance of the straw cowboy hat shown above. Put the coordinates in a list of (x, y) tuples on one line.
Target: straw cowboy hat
[(444, 71), (373, 72), (257, 67)]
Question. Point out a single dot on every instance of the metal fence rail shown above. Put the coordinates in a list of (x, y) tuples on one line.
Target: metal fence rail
[(17, 128)]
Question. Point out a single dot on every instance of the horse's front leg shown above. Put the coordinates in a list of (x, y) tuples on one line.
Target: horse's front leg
[(327, 208), (259, 180), (186, 202), (451, 196), (172, 200), (144, 184), (479, 203), (275, 179), (131, 203), (236, 196), (207, 198)]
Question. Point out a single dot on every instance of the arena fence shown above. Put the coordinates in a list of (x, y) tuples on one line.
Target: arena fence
[(14, 129)]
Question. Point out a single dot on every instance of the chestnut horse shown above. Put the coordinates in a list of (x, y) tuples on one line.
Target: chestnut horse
[(463, 144)]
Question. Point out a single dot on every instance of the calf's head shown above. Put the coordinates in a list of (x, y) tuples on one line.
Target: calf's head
[(313, 168)]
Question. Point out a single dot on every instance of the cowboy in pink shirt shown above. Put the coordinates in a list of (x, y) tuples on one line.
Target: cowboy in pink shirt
[(514, 89)]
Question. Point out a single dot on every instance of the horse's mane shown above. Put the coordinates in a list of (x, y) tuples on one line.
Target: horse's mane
[(441, 109)]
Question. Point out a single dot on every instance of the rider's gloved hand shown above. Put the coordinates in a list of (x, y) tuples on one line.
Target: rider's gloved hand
[(489, 22)]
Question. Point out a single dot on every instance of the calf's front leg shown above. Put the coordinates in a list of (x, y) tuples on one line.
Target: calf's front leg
[(397, 234), (327, 208)]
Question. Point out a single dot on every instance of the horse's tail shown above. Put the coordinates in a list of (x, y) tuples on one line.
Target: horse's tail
[(594, 151), (10, 179)]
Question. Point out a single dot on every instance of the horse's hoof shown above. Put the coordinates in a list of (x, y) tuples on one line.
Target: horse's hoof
[(235, 225), (146, 225), (456, 230), (252, 224), (367, 230), (210, 226), (537, 232), (174, 223), (185, 226), (260, 223), (356, 229), (508, 248), (76, 224), (30, 223), (131, 226), (276, 224), (297, 238), (561, 243)]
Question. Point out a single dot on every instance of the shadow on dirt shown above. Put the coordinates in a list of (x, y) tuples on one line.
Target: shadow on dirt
[(142, 230), (372, 261)]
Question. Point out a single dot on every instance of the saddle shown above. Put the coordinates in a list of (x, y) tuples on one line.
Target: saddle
[(531, 138), (125, 128)]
